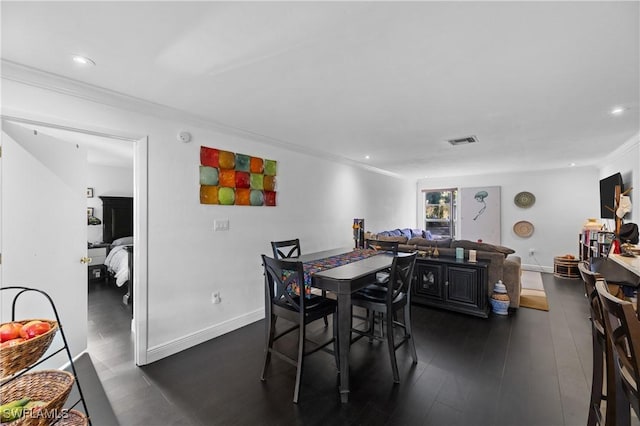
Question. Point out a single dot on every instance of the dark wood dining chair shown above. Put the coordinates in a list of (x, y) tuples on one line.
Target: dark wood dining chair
[(286, 249), (603, 365), (396, 296), (382, 277), (623, 330), (280, 278), (290, 249)]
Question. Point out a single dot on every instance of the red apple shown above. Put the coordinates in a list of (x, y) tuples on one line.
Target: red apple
[(9, 331), (34, 328)]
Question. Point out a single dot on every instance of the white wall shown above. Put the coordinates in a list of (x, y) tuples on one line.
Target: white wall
[(187, 261), (106, 181), (625, 160), (564, 199)]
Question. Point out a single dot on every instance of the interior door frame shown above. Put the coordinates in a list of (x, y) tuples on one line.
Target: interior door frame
[(140, 227)]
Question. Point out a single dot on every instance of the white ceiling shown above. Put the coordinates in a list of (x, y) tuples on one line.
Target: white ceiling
[(534, 81)]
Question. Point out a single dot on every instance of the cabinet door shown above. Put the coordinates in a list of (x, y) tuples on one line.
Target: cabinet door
[(429, 278), (462, 286)]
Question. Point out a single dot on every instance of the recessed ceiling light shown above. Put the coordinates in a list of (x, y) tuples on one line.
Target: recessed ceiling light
[(618, 110), (83, 60), (572, 164), (366, 157)]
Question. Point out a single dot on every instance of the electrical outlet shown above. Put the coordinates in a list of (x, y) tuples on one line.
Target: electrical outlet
[(532, 252), (215, 298)]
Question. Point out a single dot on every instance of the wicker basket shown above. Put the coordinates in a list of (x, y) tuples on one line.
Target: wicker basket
[(73, 418), (23, 355), (50, 386)]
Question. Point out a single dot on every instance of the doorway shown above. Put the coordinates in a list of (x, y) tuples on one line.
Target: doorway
[(139, 162)]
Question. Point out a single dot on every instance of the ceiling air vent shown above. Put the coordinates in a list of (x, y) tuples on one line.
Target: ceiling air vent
[(463, 141)]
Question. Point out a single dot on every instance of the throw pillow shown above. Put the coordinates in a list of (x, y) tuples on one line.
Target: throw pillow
[(406, 232), (416, 233)]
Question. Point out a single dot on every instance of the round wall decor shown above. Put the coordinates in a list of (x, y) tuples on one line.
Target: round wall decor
[(524, 199), (523, 229)]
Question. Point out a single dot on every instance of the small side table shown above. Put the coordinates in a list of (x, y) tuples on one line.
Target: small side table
[(566, 268)]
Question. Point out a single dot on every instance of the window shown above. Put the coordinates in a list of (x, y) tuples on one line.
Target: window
[(440, 212)]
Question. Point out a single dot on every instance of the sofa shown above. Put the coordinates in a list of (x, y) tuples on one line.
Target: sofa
[(504, 264)]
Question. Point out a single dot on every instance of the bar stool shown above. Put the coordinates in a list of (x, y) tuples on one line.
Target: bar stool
[(623, 332), (603, 365)]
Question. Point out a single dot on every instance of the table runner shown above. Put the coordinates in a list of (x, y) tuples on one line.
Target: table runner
[(312, 266)]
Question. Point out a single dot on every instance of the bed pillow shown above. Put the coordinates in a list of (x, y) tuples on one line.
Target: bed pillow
[(122, 241)]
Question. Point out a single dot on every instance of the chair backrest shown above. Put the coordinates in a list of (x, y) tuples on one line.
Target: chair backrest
[(623, 329), (401, 276), (391, 246), (590, 278), (281, 278), (286, 249)]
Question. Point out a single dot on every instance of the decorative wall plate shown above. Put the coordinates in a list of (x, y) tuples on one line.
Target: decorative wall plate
[(523, 229), (524, 199)]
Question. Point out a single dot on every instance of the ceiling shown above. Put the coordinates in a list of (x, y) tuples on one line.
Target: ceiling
[(534, 81)]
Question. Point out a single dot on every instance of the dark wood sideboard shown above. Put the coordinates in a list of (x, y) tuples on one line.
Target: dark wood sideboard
[(449, 283)]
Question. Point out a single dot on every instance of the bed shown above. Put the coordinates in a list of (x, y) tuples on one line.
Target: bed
[(117, 230), (117, 261)]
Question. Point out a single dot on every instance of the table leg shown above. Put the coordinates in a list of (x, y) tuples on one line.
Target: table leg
[(344, 336)]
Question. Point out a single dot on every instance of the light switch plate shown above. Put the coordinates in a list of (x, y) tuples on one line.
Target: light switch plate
[(221, 225)]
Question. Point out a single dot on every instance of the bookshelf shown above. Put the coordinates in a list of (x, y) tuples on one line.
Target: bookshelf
[(594, 244)]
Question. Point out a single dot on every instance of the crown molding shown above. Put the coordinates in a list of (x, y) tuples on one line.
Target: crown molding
[(22, 74), (623, 149)]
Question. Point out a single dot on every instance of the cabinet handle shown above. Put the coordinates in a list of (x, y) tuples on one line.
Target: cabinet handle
[(446, 283)]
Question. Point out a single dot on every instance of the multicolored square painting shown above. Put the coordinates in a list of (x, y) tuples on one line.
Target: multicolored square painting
[(236, 179)]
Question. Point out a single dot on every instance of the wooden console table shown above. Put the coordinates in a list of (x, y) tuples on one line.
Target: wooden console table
[(566, 268), (453, 284)]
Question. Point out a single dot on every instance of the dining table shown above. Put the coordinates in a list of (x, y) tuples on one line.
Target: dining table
[(343, 280)]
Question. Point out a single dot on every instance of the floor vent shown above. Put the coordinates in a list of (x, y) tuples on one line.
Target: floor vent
[(463, 141)]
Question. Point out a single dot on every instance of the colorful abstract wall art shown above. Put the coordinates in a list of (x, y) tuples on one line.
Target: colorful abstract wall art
[(236, 179)]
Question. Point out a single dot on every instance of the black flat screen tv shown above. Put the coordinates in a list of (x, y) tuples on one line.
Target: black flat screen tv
[(608, 195)]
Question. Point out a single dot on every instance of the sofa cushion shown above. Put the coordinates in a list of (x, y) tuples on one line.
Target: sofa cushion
[(472, 245), (427, 235), (400, 239), (419, 241), (424, 242), (442, 242)]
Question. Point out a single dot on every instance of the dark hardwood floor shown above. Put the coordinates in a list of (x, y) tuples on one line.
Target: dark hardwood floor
[(530, 368)]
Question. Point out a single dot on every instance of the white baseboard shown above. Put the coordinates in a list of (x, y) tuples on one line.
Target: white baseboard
[(156, 353), (67, 364), (538, 268)]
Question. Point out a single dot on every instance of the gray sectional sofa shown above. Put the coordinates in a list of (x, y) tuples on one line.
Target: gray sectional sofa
[(505, 265)]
